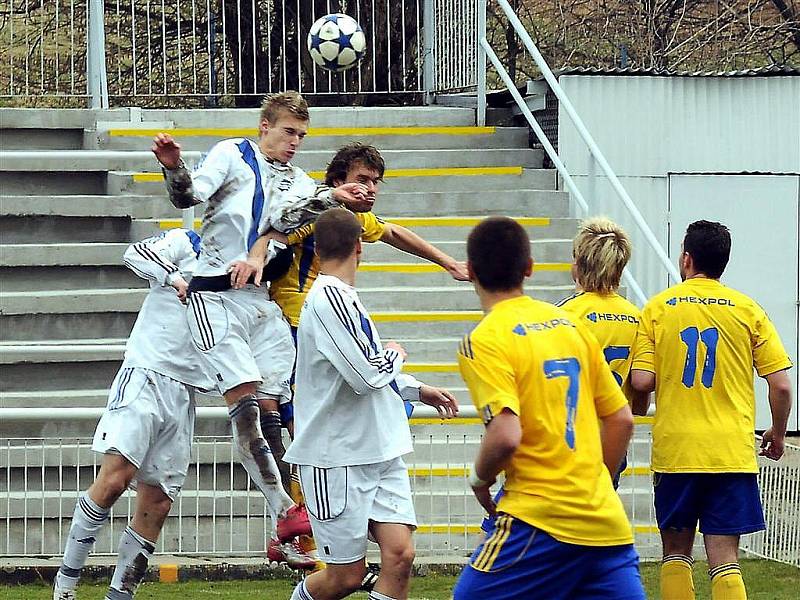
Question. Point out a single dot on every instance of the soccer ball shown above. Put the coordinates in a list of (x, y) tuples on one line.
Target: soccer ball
[(336, 42)]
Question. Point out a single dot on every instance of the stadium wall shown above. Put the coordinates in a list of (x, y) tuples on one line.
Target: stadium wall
[(718, 147)]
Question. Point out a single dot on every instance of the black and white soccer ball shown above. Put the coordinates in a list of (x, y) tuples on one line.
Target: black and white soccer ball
[(336, 42)]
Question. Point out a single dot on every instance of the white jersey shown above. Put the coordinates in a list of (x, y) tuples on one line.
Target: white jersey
[(246, 194), (160, 339), (348, 408)]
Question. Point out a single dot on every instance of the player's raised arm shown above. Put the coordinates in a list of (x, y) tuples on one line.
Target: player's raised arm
[(408, 241), (338, 336), (189, 188), (156, 258)]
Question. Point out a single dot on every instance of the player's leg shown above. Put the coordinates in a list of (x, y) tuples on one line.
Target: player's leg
[(397, 559), (221, 330), (122, 436), (338, 502), (611, 573), (271, 427), (138, 541), (677, 503), (732, 508)]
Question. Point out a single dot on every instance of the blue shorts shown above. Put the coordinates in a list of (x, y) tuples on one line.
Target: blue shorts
[(723, 503), (518, 561)]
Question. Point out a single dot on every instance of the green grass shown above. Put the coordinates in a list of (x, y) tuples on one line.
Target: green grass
[(765, 581)]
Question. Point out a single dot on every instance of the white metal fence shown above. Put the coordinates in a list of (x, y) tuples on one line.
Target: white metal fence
[(148, 51)]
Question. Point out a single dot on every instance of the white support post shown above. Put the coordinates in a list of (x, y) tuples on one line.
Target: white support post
[(481, 116), (96, 77), (428, 71)]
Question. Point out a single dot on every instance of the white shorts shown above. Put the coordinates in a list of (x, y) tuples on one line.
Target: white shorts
[(341, 501), (149, 419), (243, 337)]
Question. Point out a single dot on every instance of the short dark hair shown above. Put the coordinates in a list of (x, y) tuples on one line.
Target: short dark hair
[(350, 155), (336, 233), (709, 245), (499, 252)]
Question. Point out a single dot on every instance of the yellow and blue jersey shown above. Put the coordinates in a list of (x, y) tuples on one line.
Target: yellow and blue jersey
[(290, 290), (532, 358), (702, 341), (613, 321)]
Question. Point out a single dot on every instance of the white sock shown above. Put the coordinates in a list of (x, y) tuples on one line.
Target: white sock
[(87, 521), (301, 592), (373, 595), (134, 555), (256, 456)]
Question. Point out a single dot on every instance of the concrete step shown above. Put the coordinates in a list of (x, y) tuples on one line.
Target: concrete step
[(73, 229), (457, 295), (48, 161), (100, 205), (329, 140), (477, 180)]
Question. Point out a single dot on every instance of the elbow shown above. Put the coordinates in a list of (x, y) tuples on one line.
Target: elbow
[(643, 381)]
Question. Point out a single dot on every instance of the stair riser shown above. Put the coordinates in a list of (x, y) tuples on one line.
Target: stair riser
[(36, 230)]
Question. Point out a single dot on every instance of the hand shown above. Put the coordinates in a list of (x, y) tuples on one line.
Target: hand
[(181, 287), (772, 445), (242, 270), (354, 196), (397, 348), (442, 400), (485, 499), (457, 270), (167, 150)]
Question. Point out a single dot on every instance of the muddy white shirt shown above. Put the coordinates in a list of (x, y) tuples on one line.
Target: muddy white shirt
[(160, 339), (245, 194), (348, 408)]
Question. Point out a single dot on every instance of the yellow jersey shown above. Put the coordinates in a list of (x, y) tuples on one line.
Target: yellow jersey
[(289, 292), (613, 320), (533, 359), (702, 340)]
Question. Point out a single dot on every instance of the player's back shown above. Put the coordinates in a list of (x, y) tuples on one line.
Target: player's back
[(530, 357), (613, 320), (702, 340)]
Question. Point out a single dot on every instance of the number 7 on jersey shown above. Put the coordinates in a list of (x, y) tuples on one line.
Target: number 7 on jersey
[(570, 368)]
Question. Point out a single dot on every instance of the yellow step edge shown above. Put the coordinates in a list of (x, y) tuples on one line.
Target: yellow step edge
[(426, 316), (389, 174), (464, 471), (643, 420), (431, 268), (631, 471), (168, 573), (431, 367), (407, 222), (436, 421), (312, 132)]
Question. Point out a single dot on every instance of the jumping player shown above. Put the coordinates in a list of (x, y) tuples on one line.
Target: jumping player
[(697, 345), (558, 424), (145, 434)]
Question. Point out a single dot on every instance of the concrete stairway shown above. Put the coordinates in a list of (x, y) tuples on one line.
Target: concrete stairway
[(67, 303)]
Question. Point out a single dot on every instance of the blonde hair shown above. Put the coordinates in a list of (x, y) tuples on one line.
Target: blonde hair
[(290, 102), (601, 250)]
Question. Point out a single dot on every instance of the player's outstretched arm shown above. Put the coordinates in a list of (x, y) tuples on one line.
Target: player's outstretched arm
[(780, 404), (156, 258), (338, 336), (408, 241), (441, 399), (241, 271)]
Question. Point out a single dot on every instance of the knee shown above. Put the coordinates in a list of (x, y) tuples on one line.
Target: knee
[(399, 560)]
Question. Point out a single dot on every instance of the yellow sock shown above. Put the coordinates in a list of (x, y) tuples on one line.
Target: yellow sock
[(676, 578), (727, 582)]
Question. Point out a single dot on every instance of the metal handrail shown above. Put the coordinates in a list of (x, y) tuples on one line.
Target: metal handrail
[(594, 150)]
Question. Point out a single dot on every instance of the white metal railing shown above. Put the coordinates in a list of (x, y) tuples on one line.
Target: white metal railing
[(594, 150), (123, 50)]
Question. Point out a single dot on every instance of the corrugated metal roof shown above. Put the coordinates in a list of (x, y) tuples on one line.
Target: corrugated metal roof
[(772, 70)]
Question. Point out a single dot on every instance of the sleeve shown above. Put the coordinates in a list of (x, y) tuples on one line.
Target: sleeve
[(364, 368), (298, 235), (769, 355), (488, 374), (373, 227), (408, 386), (301, 204), (156, 258), (189, 188), (644, 348)]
